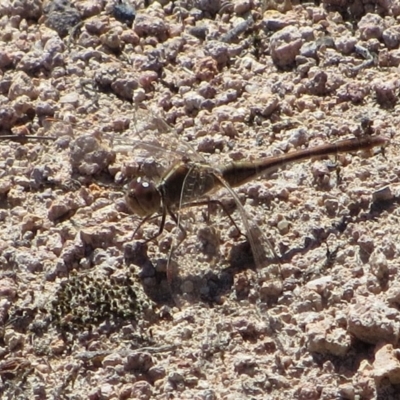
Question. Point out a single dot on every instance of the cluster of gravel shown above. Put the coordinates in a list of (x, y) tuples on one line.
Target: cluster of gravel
[(88, 311)]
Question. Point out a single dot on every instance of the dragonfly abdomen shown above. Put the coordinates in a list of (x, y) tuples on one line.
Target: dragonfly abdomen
[(238, 173)]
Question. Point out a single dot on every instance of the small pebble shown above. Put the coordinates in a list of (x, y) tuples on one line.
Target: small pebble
[(383, 194), (124, 12)]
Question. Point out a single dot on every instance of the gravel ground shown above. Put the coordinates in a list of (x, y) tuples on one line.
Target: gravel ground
[(89, 312)]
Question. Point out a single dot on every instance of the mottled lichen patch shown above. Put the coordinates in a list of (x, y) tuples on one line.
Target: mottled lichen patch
[(84, 300)]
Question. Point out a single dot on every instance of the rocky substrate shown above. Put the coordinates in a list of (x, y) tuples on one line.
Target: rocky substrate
[(87, 311)]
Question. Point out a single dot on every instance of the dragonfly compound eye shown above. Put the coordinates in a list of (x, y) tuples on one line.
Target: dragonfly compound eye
[(142, 197)]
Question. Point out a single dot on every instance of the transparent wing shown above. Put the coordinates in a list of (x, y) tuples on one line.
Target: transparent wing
[(207, 262), (150, 147)]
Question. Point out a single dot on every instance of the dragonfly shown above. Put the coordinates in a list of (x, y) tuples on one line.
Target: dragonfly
[(189, 181)]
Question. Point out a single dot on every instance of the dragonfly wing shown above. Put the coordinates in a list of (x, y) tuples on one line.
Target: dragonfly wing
[(195, 247), (261, 253), (151, 147), (264, 258), (200, 268)]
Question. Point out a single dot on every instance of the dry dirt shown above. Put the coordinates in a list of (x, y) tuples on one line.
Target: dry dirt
[(89, 312)]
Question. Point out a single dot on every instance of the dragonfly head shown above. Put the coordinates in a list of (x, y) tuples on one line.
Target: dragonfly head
[(142, 197)]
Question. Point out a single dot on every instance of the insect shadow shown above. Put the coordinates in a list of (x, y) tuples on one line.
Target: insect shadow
[(210, 287)]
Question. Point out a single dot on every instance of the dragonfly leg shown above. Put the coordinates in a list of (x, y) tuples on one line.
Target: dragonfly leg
[(171, 269), (141, 223), (148, 218), (160, 230), (176, 220)]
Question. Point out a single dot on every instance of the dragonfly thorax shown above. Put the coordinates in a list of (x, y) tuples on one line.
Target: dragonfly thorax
[(142, 197)]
